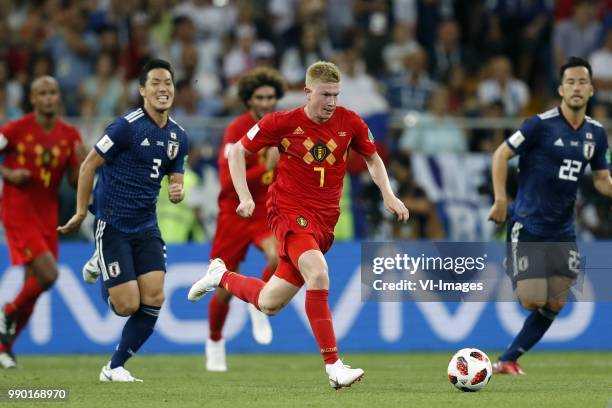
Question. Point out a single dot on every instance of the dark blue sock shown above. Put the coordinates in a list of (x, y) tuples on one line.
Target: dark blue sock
[(136, 331), (536, 324)]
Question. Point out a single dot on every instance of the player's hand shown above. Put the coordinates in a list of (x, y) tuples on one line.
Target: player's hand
[(395, 206), (245, 208), (176, 193), (498, 212), (72, 225), (18, 177)]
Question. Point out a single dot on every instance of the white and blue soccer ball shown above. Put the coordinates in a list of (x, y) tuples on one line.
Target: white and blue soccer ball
[(469, 369)]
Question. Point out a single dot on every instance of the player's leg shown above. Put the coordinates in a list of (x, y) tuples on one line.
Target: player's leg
[(231, 244), (262, 330), (305, 253), (149, 262), (528, 270), (120, 291)]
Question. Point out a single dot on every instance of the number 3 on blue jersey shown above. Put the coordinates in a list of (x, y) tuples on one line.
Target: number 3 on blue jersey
[(157, 163)]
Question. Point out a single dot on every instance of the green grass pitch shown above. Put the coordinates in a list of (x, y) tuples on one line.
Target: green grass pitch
[(568, 379)]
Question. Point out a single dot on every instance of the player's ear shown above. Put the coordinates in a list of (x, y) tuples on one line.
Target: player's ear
[(307, 92), (560, 90), (141, 90)]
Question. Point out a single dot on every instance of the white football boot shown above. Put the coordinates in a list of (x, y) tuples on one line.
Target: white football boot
[(91, 269), (7, 360), (215, 356), (117, 374), (341, 376), (262, 331), (209, 282)]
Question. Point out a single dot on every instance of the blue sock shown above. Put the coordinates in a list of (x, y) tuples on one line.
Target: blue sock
[(136, 331), (536, 324)]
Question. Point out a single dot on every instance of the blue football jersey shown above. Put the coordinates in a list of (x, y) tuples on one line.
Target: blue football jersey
[(138, 155), (552, 157)]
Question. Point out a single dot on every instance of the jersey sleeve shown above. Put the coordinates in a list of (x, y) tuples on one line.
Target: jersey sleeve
[(116, 138), (262, 134), (178, 164), (599, 161), (522, 139), (363, 140)]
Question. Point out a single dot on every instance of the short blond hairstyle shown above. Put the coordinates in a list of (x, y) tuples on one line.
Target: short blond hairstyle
[(322, 72)]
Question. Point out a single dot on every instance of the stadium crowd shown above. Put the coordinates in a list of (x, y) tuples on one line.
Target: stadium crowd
[(413, 69)]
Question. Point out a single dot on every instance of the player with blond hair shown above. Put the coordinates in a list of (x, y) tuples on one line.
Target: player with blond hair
[(303, 206)]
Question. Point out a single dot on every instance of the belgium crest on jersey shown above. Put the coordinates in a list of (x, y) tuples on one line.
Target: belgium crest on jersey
[(173, 148), (588, 149), (319, 152)]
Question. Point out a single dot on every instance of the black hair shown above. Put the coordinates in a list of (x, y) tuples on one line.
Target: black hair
[(575, 62), (151, 65)]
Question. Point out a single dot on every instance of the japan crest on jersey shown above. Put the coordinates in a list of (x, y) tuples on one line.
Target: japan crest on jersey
[(588, 149), (173, 148)]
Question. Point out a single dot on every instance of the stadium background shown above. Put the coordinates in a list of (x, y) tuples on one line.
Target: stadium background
[(440, 83)]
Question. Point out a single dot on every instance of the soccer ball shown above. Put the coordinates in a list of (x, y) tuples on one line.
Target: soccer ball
[(469, 369)]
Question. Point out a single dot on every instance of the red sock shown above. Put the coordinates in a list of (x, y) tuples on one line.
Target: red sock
[(267, 273), (243, 287), (217, 312), (319, 315), (23, 316), (29, 293)]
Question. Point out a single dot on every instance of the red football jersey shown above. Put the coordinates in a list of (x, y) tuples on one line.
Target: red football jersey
[(258, 177), (313, 159), (46, 155)]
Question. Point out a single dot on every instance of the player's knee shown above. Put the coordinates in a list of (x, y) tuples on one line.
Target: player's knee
[(555, 305), (126, 306), (154, 299), (530, 304), (273, 259), (48, 278), (317, 280)]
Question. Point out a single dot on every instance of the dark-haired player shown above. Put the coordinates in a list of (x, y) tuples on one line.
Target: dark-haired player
[(136, 151), (259, 90), (554, 150)]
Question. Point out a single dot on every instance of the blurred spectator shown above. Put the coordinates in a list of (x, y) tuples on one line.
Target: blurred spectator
[(435, 131), (295, 60), (13, 91), (522, 29), (424, 222), (487, 140), (211, 20), (7, 112), (401, 45), (410, 88), (601, 64), (102, 95), (577, 37), (73, 49), (360, 91), (448, 52), (501, 85), (190, 106), (240, 57)]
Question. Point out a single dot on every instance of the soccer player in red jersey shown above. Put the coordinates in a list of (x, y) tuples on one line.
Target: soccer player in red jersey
[(303, 206), (37, 148), (259, 90)]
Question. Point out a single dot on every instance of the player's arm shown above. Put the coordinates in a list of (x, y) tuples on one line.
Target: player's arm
[(237, 166), (176, 192), (499, 172), (377, 170), (603, 182), (72, 174), (87, 174)]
